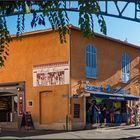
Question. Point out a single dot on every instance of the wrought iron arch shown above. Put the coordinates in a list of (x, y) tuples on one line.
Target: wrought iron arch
[(105, 9)]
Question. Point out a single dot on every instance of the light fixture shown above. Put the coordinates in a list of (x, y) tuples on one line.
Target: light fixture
[(20, 89)]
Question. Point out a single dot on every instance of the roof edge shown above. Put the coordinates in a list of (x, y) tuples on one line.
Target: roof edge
[(78, 29), (109, 38)]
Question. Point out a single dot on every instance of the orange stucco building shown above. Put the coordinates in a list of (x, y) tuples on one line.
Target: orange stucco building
[(41, 75)]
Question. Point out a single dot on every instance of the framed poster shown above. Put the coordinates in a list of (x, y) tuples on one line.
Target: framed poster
[(51, 74), (76, 110)]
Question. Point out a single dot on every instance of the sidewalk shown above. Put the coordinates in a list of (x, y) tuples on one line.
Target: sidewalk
[(108, 126), (103, 132), (27, 133), (121, 127)]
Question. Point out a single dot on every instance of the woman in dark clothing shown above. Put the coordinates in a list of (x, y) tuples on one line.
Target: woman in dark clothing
[(103, 112), (90, 111)]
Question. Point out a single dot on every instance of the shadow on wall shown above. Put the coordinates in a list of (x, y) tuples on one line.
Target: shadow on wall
[(136, 80)]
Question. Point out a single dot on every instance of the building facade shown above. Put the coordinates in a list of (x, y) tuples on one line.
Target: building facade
[(49, 79)]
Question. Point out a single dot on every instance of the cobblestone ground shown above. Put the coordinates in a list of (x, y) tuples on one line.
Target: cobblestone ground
[(118, 132)]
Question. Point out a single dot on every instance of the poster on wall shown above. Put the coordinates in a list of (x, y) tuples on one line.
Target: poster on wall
[(51, 74)]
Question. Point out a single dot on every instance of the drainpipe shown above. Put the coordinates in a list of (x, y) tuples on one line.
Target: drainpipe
[(68, 118), (84, 110), (39, 108)]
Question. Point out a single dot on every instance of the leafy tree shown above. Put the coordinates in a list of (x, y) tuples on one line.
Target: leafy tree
[(56, 12)]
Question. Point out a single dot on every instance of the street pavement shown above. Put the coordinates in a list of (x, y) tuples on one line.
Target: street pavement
[(118, 132)]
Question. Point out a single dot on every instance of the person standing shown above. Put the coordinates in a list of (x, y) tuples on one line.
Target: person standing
[(96, 112), (128, 114), (103, 112), (91, 112), (112, 110), (88, 113), (136, 115)]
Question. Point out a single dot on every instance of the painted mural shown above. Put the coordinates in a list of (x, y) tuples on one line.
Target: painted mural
[(51, 74)]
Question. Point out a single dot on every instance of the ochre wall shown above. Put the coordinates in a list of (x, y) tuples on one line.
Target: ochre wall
[(109, 54), (78, 123), (45, 48), (35, 49)]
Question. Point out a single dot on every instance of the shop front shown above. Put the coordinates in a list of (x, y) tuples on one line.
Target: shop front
[(107, 105), (11, 104)]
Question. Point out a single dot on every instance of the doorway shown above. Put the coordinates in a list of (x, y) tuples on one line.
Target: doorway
[(8, 108)]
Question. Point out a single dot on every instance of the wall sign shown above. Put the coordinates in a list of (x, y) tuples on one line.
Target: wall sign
[(51, 74), (108, 88), (30, 103), (116, 98)]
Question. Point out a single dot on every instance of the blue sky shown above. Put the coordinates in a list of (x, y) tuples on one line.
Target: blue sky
[(116, 28)]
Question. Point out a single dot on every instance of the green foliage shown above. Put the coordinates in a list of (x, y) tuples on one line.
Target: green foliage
[(138, 4), (4, 40), (86, 21), (56, 12), (57, 15)]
